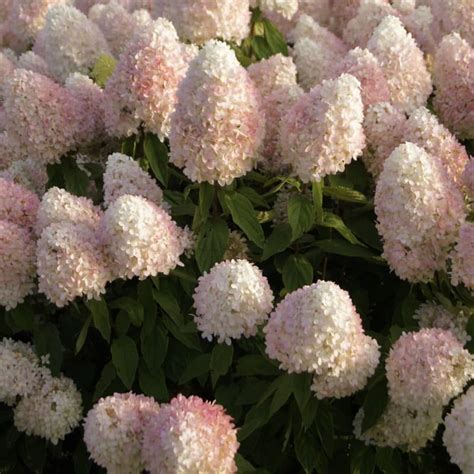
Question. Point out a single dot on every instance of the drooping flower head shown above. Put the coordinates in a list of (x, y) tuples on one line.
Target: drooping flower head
[(17, 264), (57, 206), (190, 435), (427, 368), (419, 211), (17, 204), (218, 125), (199, 21), (402, 62), (51, 412), (113, 431), (141, 238), (71, 263), (69, 42), (458, 435), (462, 257), (123, 175), (322, 132), (454, 82), (232, 300), (41, 116)]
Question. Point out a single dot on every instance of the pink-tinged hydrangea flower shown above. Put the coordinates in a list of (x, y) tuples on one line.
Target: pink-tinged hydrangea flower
[(399, 427), (284, 8), (5, 8), (71, 263), (312, 329), (69, 42), (322, 132), (454, 16), (427, 368), (51, 412), (201, 20), (361, 26), (468, 179), (32, 62), (27, 173), (384, 128), (190, 435), (41, 116), (403, 64), (141, 238), (419, 211), (117, 24), (89, 99), (123, 175), (7, 66), (17, 204), (232, 300), (420, 24), (462, 257), (317, 52), (458, 436), (218, 125), (342, 12), (363, 65), (26, 19), (275, 79), (142, 89), (10, 149), (423, 129), (130, 5), (19, 370), (57, 206), (113, 431), (432, 315), (360, 363), (454, 80)]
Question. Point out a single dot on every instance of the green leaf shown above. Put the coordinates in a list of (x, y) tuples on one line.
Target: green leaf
[(261, 47), (279, 240), (305, 449), (300, 215), (333, 221), (206, 196), (325, 427), (212, 243), (282, 393), (341, 247), (24, 318), (317, 188), (375, 402), (154, 345), (153, 384), (257, 416), (364, 228), (243, 214), (81, 339), (253, 364), (106, 378), (310, 411), (297, 272), (129, 146), (134, 309), (76, 180), (221, 358), (125, 359), (301, 390), (275, 39), (104, 67), (191, 341), (47, 341), (82, 462), (243, 466), (253, 196), (33, 453), (101, 317), (342, 193), (198, 366), (157, 155)]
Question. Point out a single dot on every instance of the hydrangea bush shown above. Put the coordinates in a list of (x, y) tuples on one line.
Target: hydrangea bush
[(236, 236)]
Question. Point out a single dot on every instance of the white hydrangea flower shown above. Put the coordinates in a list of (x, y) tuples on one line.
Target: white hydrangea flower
[(32, 62), (232, 300), (52, 412), (19, 370), (141, 238), (123, 175), (458, 436), (399, 427), (462, 257), (113, 431), (69, 42)]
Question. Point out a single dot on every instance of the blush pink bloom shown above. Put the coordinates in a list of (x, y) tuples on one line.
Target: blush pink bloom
[(462, 257)]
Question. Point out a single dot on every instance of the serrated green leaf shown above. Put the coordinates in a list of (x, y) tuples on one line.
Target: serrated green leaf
[(300, 214), (211, 244), (154, 346), (297, 272), (81, 339), (301, 390), (76, 180), (198, 366), (342, 193), (255, 365), (375, 402), (106, 377), (283, 391), (153, 384), (275, 39), (243, 215), (278, 241), (100, 316), (206, 196), (221, 358), (125, 359), (342, 247), (133, 308), (325, 428), (157, 155), (333, 221)]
